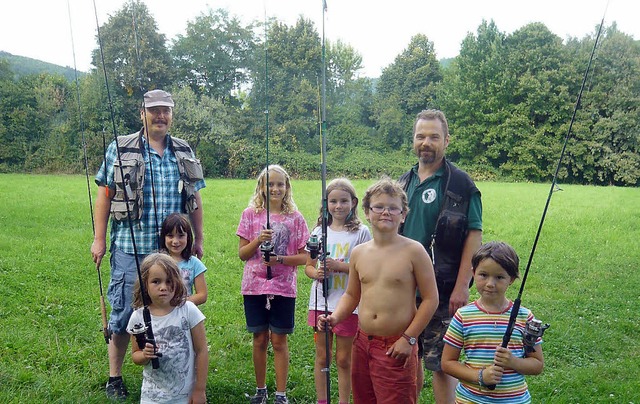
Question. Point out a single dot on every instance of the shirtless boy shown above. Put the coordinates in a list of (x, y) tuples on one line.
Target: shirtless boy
[(383, 276)]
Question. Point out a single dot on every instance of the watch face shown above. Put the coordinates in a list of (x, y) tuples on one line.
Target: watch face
[(410, 340)]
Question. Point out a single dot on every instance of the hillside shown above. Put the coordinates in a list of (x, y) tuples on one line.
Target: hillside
[(23, 66)]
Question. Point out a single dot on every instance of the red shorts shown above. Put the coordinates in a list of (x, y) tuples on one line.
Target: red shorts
[(347, 328), (379, 378)]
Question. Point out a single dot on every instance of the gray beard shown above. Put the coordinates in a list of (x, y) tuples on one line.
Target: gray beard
[(430, 159)]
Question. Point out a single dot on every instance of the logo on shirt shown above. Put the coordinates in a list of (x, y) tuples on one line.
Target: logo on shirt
[(429, 195)]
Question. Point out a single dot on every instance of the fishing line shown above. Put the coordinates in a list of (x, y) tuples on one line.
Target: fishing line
[(106, 332)]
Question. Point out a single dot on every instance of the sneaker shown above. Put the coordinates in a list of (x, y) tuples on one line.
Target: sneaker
[(117, 390), (281, 400), (259, 398)]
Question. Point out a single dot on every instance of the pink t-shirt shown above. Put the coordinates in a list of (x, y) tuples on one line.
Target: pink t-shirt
[(290, 235)]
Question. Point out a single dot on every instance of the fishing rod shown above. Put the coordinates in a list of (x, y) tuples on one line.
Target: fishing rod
[(536, 329), (313, 244), (144, 126), (318, 247), (325, 210), (106, 332), (147, 329), (266, 247)]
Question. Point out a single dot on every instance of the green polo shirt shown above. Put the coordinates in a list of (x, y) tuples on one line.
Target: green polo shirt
[(424, 206)]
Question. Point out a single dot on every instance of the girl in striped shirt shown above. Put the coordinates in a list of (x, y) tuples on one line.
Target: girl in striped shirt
[(478, 328)]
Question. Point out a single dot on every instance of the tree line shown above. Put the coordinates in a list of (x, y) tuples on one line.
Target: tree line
[(509, 99)]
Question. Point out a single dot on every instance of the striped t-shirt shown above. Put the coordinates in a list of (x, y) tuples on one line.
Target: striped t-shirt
[(479, 333)]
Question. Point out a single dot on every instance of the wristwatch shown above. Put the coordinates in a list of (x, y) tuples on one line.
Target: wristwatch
[(411, 340)]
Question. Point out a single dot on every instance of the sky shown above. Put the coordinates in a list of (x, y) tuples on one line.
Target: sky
[(63, 32)]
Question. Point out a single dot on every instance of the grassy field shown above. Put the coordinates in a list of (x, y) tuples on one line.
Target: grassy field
[(584, 281)]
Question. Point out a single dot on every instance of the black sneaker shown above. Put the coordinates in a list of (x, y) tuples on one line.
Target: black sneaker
[(281, 400), (116, 390), (259, 398)]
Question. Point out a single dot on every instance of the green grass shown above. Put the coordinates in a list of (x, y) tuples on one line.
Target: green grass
[(584, 281)]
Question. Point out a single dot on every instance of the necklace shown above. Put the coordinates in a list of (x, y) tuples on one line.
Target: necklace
[(494, 314)]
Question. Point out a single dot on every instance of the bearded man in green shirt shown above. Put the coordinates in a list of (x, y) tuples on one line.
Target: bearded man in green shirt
[(445, 215)]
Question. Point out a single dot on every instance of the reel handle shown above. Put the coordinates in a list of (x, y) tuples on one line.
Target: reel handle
[(266, 248)]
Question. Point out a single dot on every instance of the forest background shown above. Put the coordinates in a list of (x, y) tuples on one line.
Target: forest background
[(509, 99)]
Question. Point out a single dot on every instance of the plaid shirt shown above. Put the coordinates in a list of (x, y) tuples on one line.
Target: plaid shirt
[(167, 198)]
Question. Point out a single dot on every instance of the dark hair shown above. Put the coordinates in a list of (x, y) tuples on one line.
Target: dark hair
[(352, 223), (173, 273), (179, 222), (432, 115), (385, 186), (502, 253)]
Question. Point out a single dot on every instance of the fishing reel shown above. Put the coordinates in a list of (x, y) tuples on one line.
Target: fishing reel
[(266, 248), (316, 251), (533, 330), (314, 246), (139, 331)]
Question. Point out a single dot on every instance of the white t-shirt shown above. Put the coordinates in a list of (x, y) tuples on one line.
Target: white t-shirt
[(173, 381), (339, 247)]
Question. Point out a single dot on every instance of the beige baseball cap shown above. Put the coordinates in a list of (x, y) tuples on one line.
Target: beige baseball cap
[(157, 98)]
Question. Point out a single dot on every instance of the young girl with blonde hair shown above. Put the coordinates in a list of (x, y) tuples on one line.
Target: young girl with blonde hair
[(269, 302)]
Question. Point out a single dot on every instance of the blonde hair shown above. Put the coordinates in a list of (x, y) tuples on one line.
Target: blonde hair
[(173, 274), (352, 222), (385, 186), (258, 201)]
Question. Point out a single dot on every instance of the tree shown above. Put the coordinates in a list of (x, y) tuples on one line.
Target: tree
[(607, 151), (292, 84), (343, 63), (535, 97), (473, 93), (205, 123), (349, 102), (406, 87), (135, 57), (32, 113), (213, 57), (349, 120), (6, 75)]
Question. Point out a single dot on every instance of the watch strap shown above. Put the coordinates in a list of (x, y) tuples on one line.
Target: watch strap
[(410, 340)]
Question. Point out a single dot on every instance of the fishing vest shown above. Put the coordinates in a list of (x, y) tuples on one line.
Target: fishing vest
[(447, 240), (131, 178)]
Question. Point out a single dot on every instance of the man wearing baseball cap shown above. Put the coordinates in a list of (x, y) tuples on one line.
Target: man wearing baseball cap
[(127, 178)]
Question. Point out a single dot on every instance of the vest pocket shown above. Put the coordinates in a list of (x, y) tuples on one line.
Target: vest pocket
[(192, 169), (451, 230), (191, 174), (130, 180)]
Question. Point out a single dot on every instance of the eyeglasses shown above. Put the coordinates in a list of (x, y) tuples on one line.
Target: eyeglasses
[(393, 210)]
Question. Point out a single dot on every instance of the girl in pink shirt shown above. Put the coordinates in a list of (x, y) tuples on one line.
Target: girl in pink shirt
[(269, 301)]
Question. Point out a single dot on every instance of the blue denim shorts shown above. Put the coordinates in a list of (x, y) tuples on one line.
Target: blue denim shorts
[(280, 318), (120, 291)]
